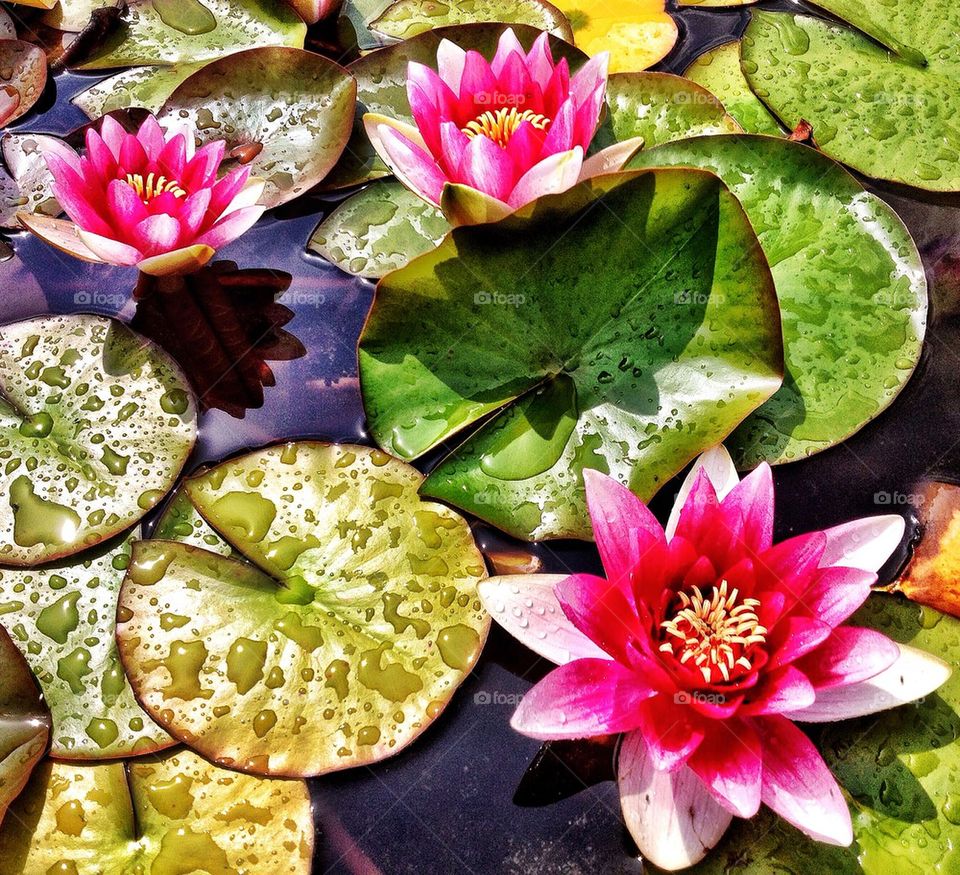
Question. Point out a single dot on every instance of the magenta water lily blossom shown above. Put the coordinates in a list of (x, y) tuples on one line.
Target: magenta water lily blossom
[(491, 137), (149, 199), (704, 644)]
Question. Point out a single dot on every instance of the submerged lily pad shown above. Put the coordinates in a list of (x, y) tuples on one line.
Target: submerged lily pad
[(25, 727), (851, 286), (64, 616), (296, 106), (341, 638), (882, 95), (24, 76), (899, 768), (95, 425), (627, 342), (380, 229), (409, 18), (718, 70), (170, 814), (174, 31)]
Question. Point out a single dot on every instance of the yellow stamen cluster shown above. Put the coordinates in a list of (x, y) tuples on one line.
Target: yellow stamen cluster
[(154, 186), (501, 125), (717, 633)]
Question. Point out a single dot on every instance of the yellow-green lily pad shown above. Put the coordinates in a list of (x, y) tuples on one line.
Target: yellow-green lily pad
[(96, 423), (337, 642)]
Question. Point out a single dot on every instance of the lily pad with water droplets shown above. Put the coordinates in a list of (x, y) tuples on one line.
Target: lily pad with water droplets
[(338, 641), (882, 95), (23, 76), (63, 618), (625, 336), (145, 87), (25, 727), (899, 769), (168, 814), (95, 425), (174, 31), (294, 108), (409, 18), (380, 229), (851, 286), (31, 183)]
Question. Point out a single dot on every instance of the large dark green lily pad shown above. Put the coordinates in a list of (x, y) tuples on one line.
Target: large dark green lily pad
[(852, 290), (341, 638), (164, 815), (95, 425), (63, 616), (899, 768), (25, 724), (882, 98), (624, 326), (173, 31), (297, 106)]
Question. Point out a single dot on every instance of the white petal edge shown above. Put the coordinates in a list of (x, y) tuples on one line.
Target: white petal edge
[(914, 675), (611, 159), (866, 543), (722, 473), (527, 607), (671, 815)]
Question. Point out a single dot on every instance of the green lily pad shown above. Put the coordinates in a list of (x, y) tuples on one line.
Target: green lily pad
[(354, 24), (176, 31), (408, 18), (382, 85), (25, 728), (341, 638), (660, 108), (899, 768), (74, 15), (31, 184), (144, 87), (169, 814), (95, 425), (181, 521), (626, 340), (380, 229), (885, 104), (719, 71), (63, 616), (851, 286), (296, 105)]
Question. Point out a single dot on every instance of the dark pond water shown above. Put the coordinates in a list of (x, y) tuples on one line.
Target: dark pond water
[(462, 798)]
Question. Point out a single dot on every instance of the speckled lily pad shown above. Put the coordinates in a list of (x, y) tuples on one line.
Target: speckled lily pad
[(63, 617), (298, 107), (172, 31), (169, 814), (144, 87), (24, 76), (338, 641), (95, 425), (25, 727), (31, 182)]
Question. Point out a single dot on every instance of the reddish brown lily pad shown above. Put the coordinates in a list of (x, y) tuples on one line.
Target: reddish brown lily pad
[(23, 76)]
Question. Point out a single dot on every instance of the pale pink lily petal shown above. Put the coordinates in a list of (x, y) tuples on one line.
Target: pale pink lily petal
[(849, 655), (748, 510), (611, 159), (837, 592), (672, 731), (866, 543), (404, 151), (486, 167), (729, 762), (540, 61), (600, 610), (719, 468), (157, 234), (526, 606), (52, 146), (231, 227), (59, 233), (80, 210), (151, 138), (248, 196), (580, 699), (551, 176), (508, 45), (113, 135), (914, 675), (450, 62), (671, 815), (124, 205), (110, 251), (787, 689), (798, 786)]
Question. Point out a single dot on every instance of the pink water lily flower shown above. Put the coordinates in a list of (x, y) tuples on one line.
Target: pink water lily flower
[(491, 137), (151, 199), (704, 644)]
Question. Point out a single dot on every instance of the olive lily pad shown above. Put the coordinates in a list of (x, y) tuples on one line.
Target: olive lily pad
[(63, 616), (898, 767), (626, 340), (295, 108), (718, 70), (851, 286), (145, 87), (31, 188), (169, 814), (174, 31), (408, 18), (181, 521), (24, 69), (336, 644), (25, 725), (882, 98), (379, 229), (95, 425)]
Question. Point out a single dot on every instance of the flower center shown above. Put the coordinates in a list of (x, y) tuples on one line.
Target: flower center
[(717, 633), (501, 125), (154, 186)]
